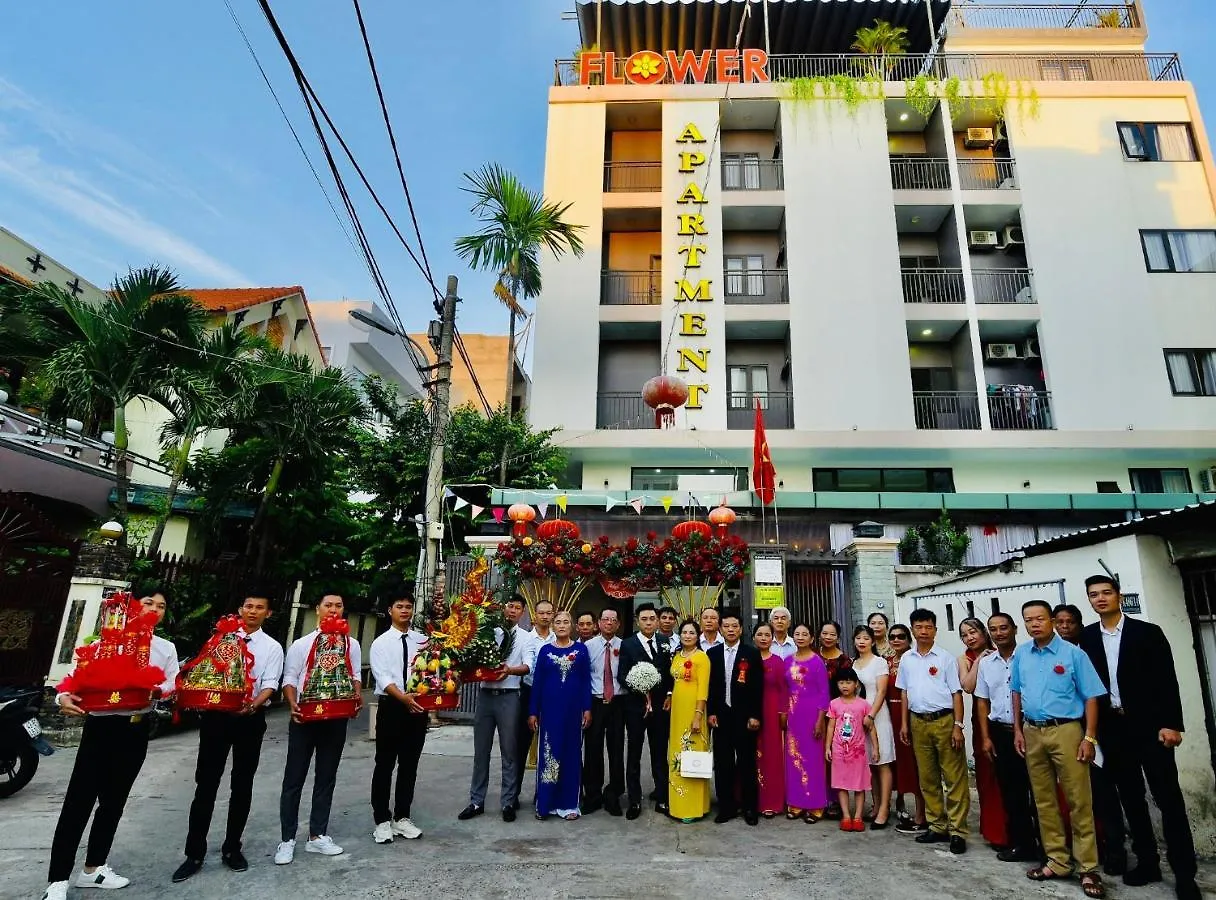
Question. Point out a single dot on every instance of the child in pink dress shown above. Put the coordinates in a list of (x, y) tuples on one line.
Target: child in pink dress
[(849, 719)]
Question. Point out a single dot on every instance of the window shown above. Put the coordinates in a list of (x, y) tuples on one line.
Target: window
[(1179, 251), (668, 478), (1160, 481), (1192, 372), (741, 171), (745, 276), (747, 385), (1065, 70), (907, 481), (1157, 141)]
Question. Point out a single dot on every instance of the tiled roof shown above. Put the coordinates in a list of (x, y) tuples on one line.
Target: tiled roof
[(236, 299)]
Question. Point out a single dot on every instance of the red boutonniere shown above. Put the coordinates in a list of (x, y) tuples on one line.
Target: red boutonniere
[(688, 670), (1059, 670), (933, 671), (616, 652), (742, 679)]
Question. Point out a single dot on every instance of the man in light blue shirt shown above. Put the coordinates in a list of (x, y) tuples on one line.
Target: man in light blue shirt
[(1055, 719)]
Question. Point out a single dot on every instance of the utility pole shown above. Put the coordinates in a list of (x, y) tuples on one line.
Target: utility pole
[(439, 426)]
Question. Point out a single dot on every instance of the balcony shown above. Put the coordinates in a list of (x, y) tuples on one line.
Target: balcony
[(622, 410), (923, 174), (1015, 408), (750, 174), (757, 286), (1003, 286), (933, 286), (621, 288), (946, 410), (1043, 16), (987, 174), (777, 406), (626, 177)]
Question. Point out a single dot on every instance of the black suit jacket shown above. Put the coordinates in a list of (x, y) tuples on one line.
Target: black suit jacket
[(632, 653), (1148, 684), (746, 696)]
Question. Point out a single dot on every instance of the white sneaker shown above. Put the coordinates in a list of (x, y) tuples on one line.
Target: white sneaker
[(105, 878), (285, 853), (383, 833), (56, 890), (407, 829), (323, 845)]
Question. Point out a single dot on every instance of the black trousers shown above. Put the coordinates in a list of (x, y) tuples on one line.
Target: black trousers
[(219, 734), (111, 753), (653, 729), (735, 763), (607, 728), (523, 738), (1133, 754), (326, 739), (400, 735), (1021, 823)]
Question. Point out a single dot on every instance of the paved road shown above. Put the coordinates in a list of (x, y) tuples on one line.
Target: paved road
[(597, 857)]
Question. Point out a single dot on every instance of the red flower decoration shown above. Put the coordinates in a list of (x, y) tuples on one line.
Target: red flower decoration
[(688, 663), (616, 652), (1059, 670), (933, 670)]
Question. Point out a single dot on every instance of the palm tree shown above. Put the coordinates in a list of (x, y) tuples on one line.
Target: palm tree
[(108, 355), (880, 40), (214, 388)]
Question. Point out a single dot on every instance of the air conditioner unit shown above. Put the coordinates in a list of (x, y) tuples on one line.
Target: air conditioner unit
[(1001, 351), (1030, 349), (983, 240), (1013, 235), (1207, 480), (979, 139)]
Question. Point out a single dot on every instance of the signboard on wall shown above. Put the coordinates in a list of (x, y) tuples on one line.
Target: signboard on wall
[(768, 581), (673, 67)]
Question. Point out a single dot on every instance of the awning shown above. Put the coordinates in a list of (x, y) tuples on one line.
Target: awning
[(795, 26)]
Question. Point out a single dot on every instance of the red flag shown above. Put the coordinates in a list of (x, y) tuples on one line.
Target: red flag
[(764, 476)]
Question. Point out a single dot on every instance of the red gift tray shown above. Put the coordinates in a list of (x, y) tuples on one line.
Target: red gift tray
[(480, 673), (209, 700), (318, 710), (438, 701), (124, 700)]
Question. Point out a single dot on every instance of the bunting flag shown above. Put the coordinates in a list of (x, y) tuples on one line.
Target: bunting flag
[(543, 509), (561, 501), (638, 504), (667, 504), (498, 514), (460, 503), (476, 510), (608, 504), (447, 494)]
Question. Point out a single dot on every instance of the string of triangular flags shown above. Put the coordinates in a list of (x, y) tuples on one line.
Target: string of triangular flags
[(686, 500)]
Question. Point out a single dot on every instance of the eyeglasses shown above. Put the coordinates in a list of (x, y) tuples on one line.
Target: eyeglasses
[(898, 636)]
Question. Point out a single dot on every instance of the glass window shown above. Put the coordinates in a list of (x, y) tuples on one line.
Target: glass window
[(1192, 372), (919, 481), (1179, 251), (745, 276), (668, 478), (748, 384), (1160, 481), (1157, 141)]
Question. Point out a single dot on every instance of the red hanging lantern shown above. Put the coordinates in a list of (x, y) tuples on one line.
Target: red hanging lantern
[(722, 518), (521, 514), (686, 530), (663, 394), (557, 528)]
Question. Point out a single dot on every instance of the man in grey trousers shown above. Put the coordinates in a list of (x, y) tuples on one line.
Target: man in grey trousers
[(498, 708)]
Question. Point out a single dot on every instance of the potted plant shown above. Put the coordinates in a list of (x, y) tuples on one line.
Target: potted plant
[(880, 40), (36, 393), (1111, 18)]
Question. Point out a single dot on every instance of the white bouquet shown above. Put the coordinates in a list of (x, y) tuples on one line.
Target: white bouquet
[(642, 678)]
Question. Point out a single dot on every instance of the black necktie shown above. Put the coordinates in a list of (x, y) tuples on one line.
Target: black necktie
[(650, 647), (405, 657)]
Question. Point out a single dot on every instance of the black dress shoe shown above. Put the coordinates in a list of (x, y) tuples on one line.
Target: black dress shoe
[(515, 805), (470, 812), (1017, 854), (235, 860), (661, 808), (188, 869), (1142, 875), (932, 837), (633, 812), (508, 814), (614, 809), (591, 806), (751, 818), (1116, 864), (654, 795), (724, 817), (958, 845)]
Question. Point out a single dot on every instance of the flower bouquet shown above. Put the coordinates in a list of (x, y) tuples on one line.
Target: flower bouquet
[(329, 680), (113, 673), (557, 568), (642, 678), (220, 678), (692, 573)]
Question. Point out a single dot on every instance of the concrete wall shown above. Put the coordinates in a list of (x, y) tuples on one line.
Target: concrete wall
[(630, 251)]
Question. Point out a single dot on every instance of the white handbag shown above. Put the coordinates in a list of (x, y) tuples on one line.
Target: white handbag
[(696, 764)]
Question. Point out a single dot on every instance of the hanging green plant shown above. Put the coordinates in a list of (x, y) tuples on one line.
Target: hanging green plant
[(851, 90), (990, 95), (921, 94)]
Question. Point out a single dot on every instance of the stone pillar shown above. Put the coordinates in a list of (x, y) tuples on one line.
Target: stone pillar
[(101, 571), (872, 577)]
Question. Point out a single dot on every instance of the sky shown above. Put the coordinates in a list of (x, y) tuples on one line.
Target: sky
[(139, 131)]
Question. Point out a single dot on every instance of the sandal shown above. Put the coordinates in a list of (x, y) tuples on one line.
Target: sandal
[(811, 818), (793, 813), (571, 817), (1091, 884), (1044, 873)]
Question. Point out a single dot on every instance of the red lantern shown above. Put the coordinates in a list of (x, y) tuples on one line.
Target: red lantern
[(557, 528), (686, 530), (663, 394), (722, 518), (521, 514)]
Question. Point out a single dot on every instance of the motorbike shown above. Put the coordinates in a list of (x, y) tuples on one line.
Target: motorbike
[(21, 740)]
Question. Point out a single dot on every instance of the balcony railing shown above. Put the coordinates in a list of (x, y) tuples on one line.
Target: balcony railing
[(778, 408), (757, 286), (987, 174), (1012, 408), (619, 288), (933, 286), (946, 410), (967, 66), (752, 174), (908, 174), (1047, 15), (621, 177), (622, 410), (1003, 286)]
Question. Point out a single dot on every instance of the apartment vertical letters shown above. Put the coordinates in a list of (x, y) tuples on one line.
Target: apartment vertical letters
[(691, 288)]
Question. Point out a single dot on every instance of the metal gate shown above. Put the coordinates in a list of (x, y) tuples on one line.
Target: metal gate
[(1199, 587), (36, 564)]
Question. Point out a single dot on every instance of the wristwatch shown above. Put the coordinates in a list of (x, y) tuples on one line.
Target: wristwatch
[(958, 724), (1092, 740)]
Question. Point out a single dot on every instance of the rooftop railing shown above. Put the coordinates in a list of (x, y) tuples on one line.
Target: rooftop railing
[(1031, 16)]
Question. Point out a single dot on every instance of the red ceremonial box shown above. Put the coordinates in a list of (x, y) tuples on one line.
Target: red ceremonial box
[(114, 673), (122, 700), (220, 678), (317, 710), (481, 673), (206, 700), (329, 690), (438, 701)]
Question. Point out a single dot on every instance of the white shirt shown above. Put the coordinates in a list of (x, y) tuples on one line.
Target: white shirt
[(785, 649), (928, 692), (596, 647), (992, 684), (388, 661), (523, 653), (705, 645), (1110, 643), (537, 643), (267, 660), (650, 645), (728, 654), (163, 654), (296, 664)]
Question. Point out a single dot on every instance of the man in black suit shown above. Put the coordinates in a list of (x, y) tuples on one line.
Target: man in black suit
[(1139, 725), (736, 688), (647, 716)]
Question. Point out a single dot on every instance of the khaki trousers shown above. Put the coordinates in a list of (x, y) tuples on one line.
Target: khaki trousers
[(938, 762), (1051, 756)]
